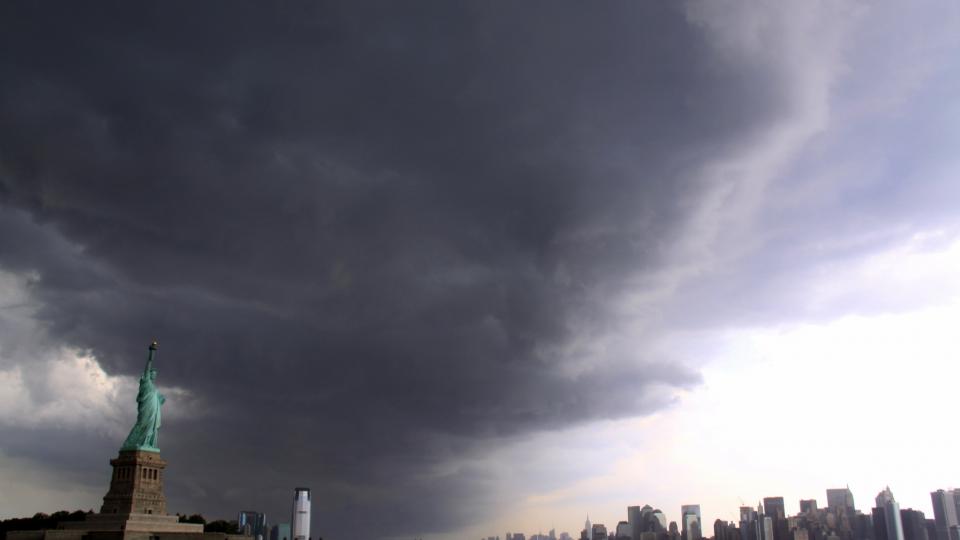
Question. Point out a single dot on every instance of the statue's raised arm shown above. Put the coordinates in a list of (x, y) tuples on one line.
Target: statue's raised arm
[(152, 351), (143, 435)]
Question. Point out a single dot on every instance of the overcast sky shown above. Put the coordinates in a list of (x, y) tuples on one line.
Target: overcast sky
[(469, 268)]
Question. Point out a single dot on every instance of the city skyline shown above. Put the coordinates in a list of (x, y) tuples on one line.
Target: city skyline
[(844, 501), (464, 267)]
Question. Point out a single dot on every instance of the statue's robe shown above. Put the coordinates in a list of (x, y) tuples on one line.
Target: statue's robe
[(144, 432)]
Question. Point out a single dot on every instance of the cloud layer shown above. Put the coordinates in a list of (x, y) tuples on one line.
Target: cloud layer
[(377, 240)]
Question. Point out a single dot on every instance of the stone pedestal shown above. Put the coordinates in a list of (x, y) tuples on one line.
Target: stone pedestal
[(135, 501), (136, 486)]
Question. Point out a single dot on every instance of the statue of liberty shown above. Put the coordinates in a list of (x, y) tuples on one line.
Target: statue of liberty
[(143, 436)]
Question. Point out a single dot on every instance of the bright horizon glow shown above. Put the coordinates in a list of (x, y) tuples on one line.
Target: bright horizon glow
[(790, 411)]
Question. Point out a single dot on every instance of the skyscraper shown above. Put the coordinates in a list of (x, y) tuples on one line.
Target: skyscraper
[(840, 498), (768, 528), (691, 526), (944, 512), (748, 523), (690, 516), (892, 527), (253, 524), (645, 519), (690, 509), (914, 524), (633, 518), (774, 507), (659, 519), (721, 530), (300, 522)]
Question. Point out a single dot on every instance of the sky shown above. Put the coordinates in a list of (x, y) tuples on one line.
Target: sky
[(465, 268)]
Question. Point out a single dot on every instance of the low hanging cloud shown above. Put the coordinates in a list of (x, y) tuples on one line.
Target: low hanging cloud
[(374, 240)]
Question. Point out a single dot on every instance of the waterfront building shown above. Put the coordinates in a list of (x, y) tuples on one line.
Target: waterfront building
[(252, 523), (300, 520)]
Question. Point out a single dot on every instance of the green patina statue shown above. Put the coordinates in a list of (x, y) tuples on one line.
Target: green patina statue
[(143, 436)]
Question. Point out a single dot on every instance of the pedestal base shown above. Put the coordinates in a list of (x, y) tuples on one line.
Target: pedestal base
[(81, 534), (152, 523), (136, 486)]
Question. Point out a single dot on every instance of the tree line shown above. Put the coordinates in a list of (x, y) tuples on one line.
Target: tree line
[(41, 521)]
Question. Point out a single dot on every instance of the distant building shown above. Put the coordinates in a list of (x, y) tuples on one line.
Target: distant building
[(725, 531), (861, 526), (624, 530), (691, 522), (808, 506), (691, 527), (661, 520), (749, 529), (914, 524), (840, 499), (767, 528), (645, 519), (253, 524), (887, 509), (946, 511), (690, 509), (878, 516), (280, 531), (633, 519), (300, 522), (599, 531), (773, 507)]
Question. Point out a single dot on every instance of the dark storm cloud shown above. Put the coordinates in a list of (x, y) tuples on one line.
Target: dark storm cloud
[(364, 235)]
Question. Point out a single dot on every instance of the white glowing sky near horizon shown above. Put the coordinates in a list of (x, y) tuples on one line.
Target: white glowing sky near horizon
[(790, 410)]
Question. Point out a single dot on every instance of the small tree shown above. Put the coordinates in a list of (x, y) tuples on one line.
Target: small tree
[(222, 526)]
